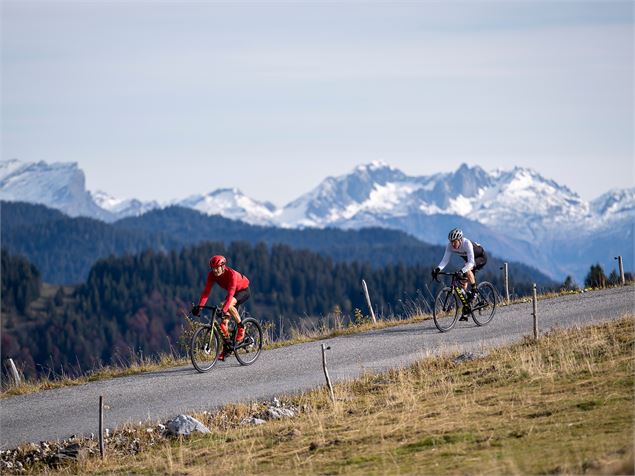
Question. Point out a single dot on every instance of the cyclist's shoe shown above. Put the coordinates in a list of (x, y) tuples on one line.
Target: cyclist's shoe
[(223, 329), (463, 316), (240, 335), (221, 355)]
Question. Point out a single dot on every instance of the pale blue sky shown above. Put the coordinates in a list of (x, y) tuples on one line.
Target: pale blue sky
[(160, 100)]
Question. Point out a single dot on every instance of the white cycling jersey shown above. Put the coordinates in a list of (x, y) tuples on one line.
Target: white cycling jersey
[(466, 250)]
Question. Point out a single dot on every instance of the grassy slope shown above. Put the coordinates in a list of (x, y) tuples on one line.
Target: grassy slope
[(562, 405)]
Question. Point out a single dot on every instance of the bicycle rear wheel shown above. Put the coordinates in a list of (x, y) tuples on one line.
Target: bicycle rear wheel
[(446, 310), (204, 348), (248, 350), (485, 304)]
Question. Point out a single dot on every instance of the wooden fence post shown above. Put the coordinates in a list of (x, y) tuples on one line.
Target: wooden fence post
[(505, 269), (535, 313), (621, 266), (101, 426), (326, 372), (14, 371), (372, 313)]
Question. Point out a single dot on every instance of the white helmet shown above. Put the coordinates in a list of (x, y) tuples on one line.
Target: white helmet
[(455, 234)]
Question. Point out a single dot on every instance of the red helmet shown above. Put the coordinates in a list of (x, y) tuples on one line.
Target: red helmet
[(216, 261)]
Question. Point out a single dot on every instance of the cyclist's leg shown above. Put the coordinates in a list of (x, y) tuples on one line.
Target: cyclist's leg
[(479, 263), (239, 298)]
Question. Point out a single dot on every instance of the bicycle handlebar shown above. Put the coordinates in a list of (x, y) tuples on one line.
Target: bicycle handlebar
[(211, 308)]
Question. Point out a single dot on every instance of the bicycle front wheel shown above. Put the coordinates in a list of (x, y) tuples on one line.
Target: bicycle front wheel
[(485, 304), (446, 310), (248, 350), (204, 348)]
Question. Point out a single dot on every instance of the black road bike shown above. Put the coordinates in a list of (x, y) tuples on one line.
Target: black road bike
[(451, 302), (208, 341)]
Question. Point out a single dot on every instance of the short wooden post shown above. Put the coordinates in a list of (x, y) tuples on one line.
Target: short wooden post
[(101, 426), (505, 269), (326, 372), (535, 313), (14, 372), (621, 266), (372, 313)]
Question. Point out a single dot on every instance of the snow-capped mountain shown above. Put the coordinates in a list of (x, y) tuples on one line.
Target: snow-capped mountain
[(518, 202), (232, 203), (58, 185), (518, 213), (615, 205), (121, 208)]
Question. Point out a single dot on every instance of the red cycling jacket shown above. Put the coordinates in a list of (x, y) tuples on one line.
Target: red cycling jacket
[(232, 281)]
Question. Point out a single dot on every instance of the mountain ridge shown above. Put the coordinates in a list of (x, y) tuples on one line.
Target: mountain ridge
[(518, 213)]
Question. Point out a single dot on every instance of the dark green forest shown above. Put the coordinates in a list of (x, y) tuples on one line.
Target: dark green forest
[(134, 303)]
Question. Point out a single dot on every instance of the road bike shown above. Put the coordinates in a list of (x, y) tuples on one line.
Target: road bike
[(208, 341), (452, 299)]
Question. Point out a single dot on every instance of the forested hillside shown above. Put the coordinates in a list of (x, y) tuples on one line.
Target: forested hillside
[(64, 249), (132, 303), (20, 283)]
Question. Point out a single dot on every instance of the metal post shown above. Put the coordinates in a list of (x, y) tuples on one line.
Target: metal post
[(535, 313), (621, 265), (101, 426), (372, 313), (14, 372), (505, 269), (326, 372)]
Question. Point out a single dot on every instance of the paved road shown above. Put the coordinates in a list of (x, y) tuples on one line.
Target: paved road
[(57, 414)]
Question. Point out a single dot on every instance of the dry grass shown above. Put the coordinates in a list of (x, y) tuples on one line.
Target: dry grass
[(563, 404)]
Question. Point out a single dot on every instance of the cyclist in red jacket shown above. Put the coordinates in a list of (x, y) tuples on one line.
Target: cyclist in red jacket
[(237, 287)]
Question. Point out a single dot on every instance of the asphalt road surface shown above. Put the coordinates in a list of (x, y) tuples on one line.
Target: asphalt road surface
[(161, 395)]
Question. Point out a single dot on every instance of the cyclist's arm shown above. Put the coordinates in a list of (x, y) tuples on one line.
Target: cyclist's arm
[(446, 257), (208, 287), (470, 263)]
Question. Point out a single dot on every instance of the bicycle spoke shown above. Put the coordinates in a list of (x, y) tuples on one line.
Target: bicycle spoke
[(204, 348), (248, 350), (446, 310), (483, 313)]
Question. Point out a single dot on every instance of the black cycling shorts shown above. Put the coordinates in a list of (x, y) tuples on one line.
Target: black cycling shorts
[(242, 296), (479, 261)]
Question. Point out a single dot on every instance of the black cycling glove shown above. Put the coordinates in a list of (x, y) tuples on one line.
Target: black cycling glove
[(195, 310)]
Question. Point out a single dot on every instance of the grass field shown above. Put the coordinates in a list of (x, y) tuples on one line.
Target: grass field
[(564, 404)]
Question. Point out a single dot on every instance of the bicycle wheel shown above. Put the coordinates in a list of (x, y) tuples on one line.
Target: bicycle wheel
[(249, 349), (204, 348), (484, 305), (446, 310)]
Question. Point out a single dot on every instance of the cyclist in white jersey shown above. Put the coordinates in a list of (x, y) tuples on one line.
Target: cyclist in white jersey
[(473, 254)]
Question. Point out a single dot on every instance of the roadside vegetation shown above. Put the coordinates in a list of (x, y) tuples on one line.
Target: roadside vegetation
[(562, 404)]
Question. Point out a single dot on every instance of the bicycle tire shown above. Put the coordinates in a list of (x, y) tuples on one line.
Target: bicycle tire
[(247, 355), (487, 299), (445, 311), (204, 348)]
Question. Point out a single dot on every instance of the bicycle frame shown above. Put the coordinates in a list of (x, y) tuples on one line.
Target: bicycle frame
[(229, 342), (457, 286)]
